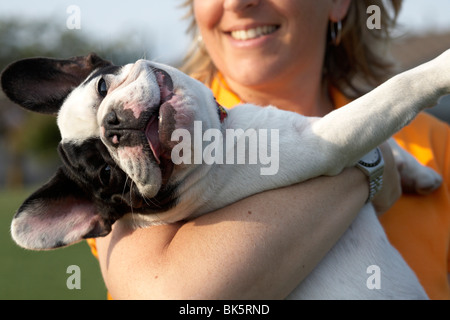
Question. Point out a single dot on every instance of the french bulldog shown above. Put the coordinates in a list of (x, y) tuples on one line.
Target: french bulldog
[(121, 131)]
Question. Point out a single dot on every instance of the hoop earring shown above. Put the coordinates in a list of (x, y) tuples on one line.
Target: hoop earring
[(336, 33)]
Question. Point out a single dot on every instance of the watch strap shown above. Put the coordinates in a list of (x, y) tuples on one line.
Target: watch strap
[(374, 172)]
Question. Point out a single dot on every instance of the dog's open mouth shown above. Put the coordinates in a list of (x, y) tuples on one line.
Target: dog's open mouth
[(156, 126)]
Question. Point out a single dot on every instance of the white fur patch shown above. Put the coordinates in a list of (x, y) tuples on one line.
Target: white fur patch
[(77, 119)]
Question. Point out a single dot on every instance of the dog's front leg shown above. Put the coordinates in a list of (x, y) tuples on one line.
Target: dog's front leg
[(346, 134)]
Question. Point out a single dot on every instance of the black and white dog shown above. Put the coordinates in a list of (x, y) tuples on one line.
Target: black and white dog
[(117, 125)]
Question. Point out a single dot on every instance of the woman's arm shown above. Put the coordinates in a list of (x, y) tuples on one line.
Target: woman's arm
[(259, 247)]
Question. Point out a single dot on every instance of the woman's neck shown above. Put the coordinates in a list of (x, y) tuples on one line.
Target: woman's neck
[(309, 97)]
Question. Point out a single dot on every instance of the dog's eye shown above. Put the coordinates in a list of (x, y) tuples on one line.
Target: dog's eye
[(102, 88), (105, 175)]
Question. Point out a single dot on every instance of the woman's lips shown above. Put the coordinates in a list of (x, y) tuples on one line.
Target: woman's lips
[(252, 36), (253, 33)]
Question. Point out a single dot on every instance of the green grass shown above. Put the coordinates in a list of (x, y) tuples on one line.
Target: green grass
[(42, 275)]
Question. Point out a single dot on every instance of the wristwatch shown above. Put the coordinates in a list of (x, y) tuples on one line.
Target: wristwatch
[(372, 164)]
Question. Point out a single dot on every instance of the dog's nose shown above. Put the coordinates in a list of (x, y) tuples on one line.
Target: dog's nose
[(111, 119), (120, 127), (111, 124)]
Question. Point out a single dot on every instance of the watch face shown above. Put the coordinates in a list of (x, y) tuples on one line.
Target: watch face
[(371, 159)]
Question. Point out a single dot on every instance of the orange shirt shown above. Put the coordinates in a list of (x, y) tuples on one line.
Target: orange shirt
[(418, 226)]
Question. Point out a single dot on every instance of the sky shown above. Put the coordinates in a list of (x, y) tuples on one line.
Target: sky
[(161, 20)]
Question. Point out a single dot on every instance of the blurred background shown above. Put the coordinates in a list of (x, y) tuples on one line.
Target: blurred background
[(121, 32)]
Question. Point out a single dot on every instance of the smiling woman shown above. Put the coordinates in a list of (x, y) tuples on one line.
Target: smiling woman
[(300, 65), (359, 52), (261, 60)]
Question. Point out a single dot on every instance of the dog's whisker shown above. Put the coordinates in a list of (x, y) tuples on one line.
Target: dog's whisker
[(131, 202), (124, 186), (146, 200), (150, 201)]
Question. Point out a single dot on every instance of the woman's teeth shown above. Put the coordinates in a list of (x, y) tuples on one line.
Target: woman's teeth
[(253, 33)]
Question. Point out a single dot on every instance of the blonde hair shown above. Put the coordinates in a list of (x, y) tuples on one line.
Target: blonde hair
[(354, 66)]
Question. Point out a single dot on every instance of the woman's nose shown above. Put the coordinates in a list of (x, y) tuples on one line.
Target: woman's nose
[(239, 5)]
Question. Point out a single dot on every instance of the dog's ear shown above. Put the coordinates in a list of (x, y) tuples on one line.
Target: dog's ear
[(57, 215), (42, 84)]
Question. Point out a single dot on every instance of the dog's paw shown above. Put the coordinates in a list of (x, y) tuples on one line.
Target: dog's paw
[(427, 181), (420, 179), (415, 177)]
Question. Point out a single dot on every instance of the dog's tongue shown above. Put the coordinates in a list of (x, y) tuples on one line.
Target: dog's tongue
[(152, 135)]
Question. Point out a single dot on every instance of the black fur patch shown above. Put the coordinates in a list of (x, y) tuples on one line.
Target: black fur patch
[(91, 167), (42, 84)]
